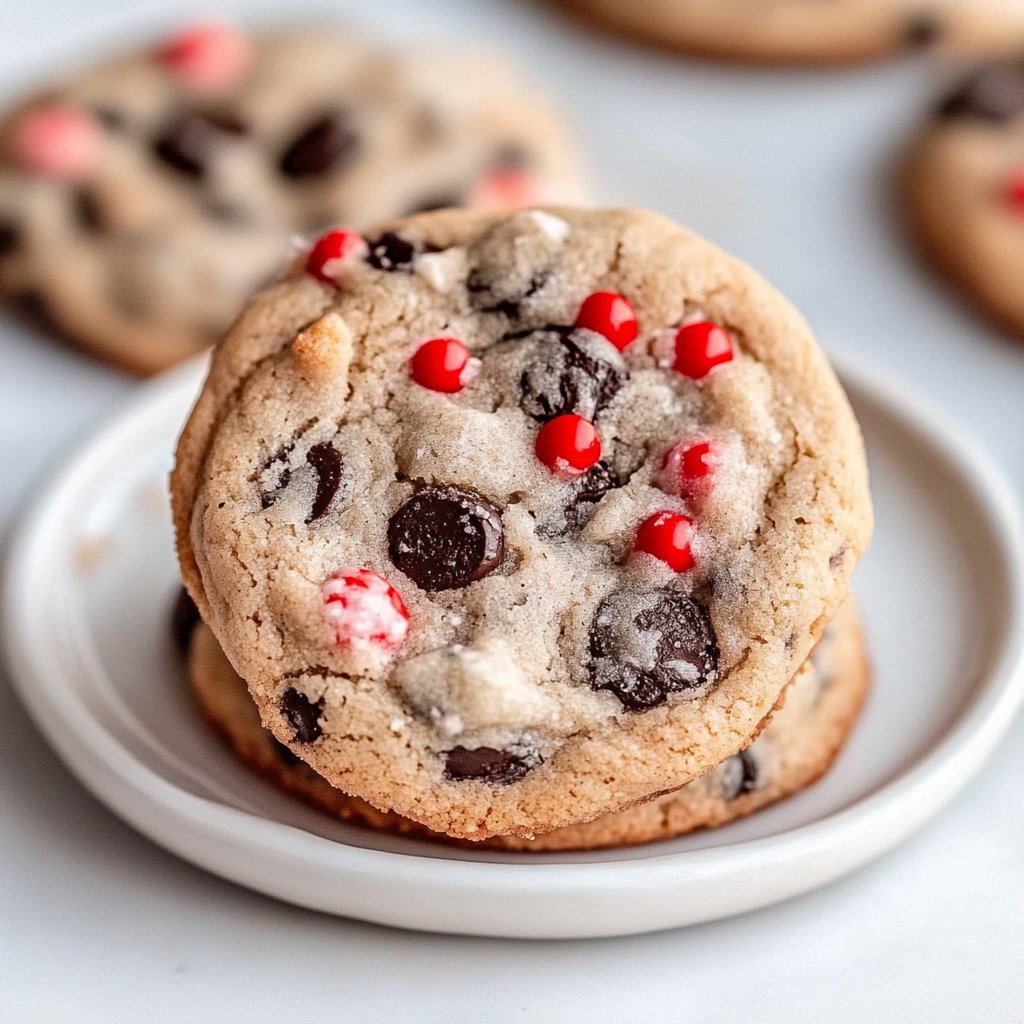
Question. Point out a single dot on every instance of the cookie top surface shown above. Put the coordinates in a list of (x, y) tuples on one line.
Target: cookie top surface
[(172, 180), (808, 31), (818, 710), (533, 576), (964, 185)]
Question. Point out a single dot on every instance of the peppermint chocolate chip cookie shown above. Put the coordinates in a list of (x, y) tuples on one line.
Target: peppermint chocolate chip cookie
[(964, 187), (526, 522), (142, 202), (810, 31), (802, 739)]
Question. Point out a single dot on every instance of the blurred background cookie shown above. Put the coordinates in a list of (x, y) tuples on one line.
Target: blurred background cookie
[(799, 744), (809, 31), (964, 189), (171, 181)]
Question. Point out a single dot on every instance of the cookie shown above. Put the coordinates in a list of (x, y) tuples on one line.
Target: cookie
[(799, 744), (809, 31), (963, 184), (142, 202), (524, 524)]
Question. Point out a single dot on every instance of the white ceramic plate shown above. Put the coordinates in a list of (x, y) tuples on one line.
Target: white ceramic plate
[(91, 576)]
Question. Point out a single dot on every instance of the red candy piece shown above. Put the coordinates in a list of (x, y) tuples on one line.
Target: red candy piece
[(1015, 193), (504, 188), (58, 142), (687, 467), (609, 314), (443, 364), (568, 445), (329, 252), (667, 536), (363, 608), (208, 57), (700, 347)]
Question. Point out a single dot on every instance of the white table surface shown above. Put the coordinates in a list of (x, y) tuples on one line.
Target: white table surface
[(791, 171)]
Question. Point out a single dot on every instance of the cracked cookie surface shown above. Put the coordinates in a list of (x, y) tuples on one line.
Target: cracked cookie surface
[(810, 31), (585, 637), (819, 708), (144, 200)]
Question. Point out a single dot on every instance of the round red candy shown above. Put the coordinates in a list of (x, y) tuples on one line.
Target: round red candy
[(58, 142), (610, 314), (687, 467), (667, 535), (443, 364), (1015, 193), (568, 445), (363, 608), (208, 57), (504, 188), (700, 347), (329, 252)]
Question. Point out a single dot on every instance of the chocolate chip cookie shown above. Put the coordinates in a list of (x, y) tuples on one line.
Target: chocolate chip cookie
[(144, 200), (810, 31), (803, 737), (594, 494), (964, 189)]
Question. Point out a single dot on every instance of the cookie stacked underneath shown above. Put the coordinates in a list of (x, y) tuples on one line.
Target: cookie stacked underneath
[(521, 529)]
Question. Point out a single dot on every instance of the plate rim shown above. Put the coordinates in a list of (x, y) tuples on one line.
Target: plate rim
[(918, 791)]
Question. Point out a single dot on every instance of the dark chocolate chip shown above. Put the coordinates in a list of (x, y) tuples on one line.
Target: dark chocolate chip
[(191, 143), (10, 238), (499, 294), (742, 774), (995, 93), (303, 714), (581, 373), (443, 538), (391, 252), (922, 30), (438, 202), (837, 558), (645, 645), (486, 764), (324, 145), (88, 209), (277, 478), (327, 463), (586, 491), (184, 619)]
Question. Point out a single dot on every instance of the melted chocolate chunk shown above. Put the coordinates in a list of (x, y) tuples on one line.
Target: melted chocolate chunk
[(647, 645), (586, 491), (191, 143), (923, 30), (581, 373), (486, 764), (327, 463), (303, 714), (270, 493), (500, 295), (88, 209), (995, 93), (10, 238), (184, 619), (325, 145), (444, 538), (742, 775), (391, 252)]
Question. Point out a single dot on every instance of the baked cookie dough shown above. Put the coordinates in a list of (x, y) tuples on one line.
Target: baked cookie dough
[(142, 202), (810, 31), (511, 521), (963, 184), (796, 748)]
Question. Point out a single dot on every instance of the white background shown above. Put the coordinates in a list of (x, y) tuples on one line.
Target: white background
[(792, 171)]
